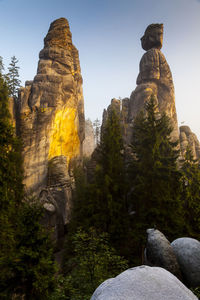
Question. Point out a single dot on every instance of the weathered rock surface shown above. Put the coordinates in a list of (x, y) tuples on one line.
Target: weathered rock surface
[(143, 283), (51, 107), (159, 252), (89, 141), (187, 251), (51, 123), (189, 139), (154, 78)]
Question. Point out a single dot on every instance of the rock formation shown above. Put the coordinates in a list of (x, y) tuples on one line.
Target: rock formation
[(51, 120), (143, 283), (159, 252), (187, 251), (89, 141), (154, 78), (189, 139)]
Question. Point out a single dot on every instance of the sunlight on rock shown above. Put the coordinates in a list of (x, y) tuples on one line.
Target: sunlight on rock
[(64, 139)]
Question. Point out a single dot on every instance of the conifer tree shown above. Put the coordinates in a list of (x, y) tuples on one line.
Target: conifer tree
[(155, 177), (110, 180), (191, 194), (96, 125), (1, 65), (11, 188), (13, 77), (103, 202), (26, 261)]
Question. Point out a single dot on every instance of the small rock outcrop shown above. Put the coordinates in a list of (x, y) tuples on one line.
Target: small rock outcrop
[(159, 252), (189, 140), (143, 283), (187, 251), (89, 141)]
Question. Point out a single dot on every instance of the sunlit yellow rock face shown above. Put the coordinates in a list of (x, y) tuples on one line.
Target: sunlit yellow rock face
[(64, 139)]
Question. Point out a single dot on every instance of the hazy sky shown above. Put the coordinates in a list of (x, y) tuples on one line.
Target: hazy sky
[(107, 34)]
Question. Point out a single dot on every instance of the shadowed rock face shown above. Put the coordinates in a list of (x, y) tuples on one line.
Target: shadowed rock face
[(189, 139), (159, 252), (153, 37), (51, 109)]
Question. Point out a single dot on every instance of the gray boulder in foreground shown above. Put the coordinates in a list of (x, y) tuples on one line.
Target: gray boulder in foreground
[(159, 252), (187, 251), (143, 283)]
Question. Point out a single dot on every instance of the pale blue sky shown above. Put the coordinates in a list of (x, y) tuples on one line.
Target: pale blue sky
[(107, 34)]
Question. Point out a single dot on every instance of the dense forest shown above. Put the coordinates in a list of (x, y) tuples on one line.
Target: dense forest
[(114, 203)]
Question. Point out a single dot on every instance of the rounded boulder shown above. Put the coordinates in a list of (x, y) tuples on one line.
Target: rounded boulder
[(143, 283), (187, 251)]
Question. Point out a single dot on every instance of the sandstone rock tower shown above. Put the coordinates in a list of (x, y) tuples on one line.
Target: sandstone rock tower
[(154, 78), (51, 107), (189, 139), (51, 118)]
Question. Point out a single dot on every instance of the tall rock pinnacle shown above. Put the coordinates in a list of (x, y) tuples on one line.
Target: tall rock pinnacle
[(51, 114), (155, 78)]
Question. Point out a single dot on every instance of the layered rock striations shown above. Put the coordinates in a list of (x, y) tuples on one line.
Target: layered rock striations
[(189, 140), (51, 119)]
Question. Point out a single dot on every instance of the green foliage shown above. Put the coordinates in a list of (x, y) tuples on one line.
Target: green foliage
[(103, 202), (191, 194), (92, 262), (97, 130), (27, 268), (11, 188), (1, 65), (34, 268), (196, 291), (155, 176), (13, 77), (26, 261)]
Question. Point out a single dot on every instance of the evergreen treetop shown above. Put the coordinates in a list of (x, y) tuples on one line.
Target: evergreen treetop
[(13, 77), (155, 175), (191, 194)]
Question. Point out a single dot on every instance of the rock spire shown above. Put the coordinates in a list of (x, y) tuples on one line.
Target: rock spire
[(51, 106), (51, 124), (154, 78)]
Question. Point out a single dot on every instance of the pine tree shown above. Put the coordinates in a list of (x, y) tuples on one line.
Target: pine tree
[(103, 202), (26, 261), (11, 188), (110, 180), (1, 65), (96, 125), (155, 176), (13, 77), (191, 194)]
